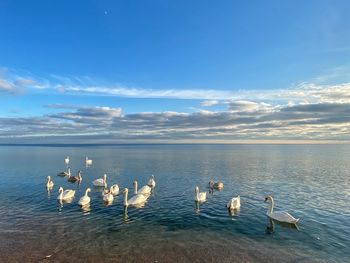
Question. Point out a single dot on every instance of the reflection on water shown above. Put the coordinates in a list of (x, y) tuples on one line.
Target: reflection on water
[(168, 228), (196, 207), (86, 209), (270, 228)]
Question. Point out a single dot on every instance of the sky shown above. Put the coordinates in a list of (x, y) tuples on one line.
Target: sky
[(162, 71)]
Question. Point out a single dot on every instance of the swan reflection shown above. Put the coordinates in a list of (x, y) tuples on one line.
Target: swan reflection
[(86, 209), (196, 207), (271, 225), (125, 215)]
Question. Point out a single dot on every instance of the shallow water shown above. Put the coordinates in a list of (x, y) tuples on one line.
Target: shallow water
[(310, 181)]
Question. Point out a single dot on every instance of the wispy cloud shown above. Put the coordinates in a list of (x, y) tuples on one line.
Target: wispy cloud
[(209, 103), (305, 92), (6, 86)]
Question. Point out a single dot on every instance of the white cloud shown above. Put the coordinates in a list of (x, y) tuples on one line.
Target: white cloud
[(320, 121), (5, 86), (308, 111), (209, 103)]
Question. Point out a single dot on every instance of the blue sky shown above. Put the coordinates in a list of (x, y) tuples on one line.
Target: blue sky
[(105, 65)]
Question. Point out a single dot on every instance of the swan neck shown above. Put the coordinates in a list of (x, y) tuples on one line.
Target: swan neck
[(271, 205), (126, 199), (135, 188)]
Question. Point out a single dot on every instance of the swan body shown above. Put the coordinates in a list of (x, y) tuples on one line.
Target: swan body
[(68, 173), (88, 161), (151, 182), (101, 181), (66, 160), (85, 199), (49, 183), (200, 197), (234, 203), (114, 189), (145, 190), (108, 196), (280, 216), (66, 194), (136, 200), (217, 185), (73, 179)]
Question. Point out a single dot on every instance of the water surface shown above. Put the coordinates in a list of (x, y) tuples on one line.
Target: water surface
[(310, 181)]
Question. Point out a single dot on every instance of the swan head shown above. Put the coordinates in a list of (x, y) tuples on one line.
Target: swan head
[(126, 190), (105, 177), (152, 176), (196, 189), (268, 198), (88, 190), (49, 178), (134, 183), (60, 189)]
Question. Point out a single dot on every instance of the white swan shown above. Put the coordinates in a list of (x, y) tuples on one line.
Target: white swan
[(151, 182), (108, 196), (145, 190), (218, 185), (73, 179), (136, 200), (85, 199), (68, 173), (234, 203), (280, 216), (200, 197), (66, 160), (114, 189), (64, 195), (88, 161), (101, 181), (49, 183)]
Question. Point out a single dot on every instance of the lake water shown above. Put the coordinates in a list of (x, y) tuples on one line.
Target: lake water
[(312, 182)]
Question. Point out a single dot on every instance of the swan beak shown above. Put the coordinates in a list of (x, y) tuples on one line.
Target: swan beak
[(265, 199)]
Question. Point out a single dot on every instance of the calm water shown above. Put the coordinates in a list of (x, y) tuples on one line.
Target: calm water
[(310, 181)]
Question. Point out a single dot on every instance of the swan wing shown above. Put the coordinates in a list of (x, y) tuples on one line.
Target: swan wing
[(68, 194), (283, 216), (202, 196), (115, 189), (234, 203), (98, 182), (108, 198), (144, 190), (84, 200), (137, 199)]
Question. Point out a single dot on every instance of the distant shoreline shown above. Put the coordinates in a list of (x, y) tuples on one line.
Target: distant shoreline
[(160, 144)]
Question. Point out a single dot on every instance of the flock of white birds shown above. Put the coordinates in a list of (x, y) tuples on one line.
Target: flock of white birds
[(141, 195)]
